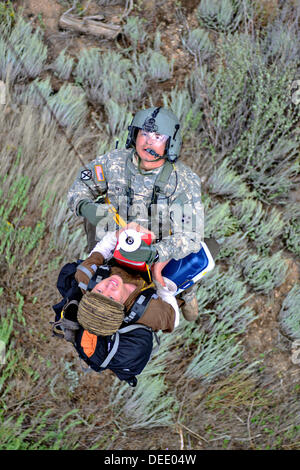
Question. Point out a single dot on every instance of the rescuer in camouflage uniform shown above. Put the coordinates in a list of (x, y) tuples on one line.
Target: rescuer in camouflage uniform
[(146, 184)]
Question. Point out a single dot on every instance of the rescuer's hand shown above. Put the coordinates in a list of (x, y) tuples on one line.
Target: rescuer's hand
[(156, 271)]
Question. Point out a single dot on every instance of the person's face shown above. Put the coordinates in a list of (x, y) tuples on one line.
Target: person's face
[(150, 140), (114, 288)]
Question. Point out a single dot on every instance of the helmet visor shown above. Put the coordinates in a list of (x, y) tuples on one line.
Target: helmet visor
[(153, 136)]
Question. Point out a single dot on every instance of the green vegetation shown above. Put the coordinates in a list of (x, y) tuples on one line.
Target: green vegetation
[(289, 314), (134, 29), (264, 273), (155, 66), (7, 14), (291, 231), (29, 47), (63, 65), (222, 16), (109, 76), (198, 43), (15, 436), (147, 405), (240, 133)]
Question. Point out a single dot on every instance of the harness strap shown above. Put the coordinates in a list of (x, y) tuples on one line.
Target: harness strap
[(112, 351), (87, 271), (140, 305), (162, 179), (159, 184), (159, 187), (125, 329), (154, 351), (83, 286)]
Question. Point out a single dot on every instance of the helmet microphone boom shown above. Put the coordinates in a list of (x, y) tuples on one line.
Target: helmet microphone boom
[(153, 153)]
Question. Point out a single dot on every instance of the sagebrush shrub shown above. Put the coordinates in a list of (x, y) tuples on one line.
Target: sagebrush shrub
[(179, 102), (33, 94), (88, 72), (119, 117), (291, 231), (197, 42), (289, 318), (28, 45), (282, 36), (222, 15), (219, 221), (155, 66), (222, 295), (222, 95), (109, 75), (69, 105), (246, 114), (263, 273), (263, 226), (134, 29), (63, 65), (214, 358), (232, 246), (148, 406), (226, 182)]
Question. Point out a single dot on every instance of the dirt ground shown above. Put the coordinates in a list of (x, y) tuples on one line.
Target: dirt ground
[(263, 337)]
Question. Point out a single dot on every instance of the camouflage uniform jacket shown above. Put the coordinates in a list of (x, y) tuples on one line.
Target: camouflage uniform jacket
[(108, 174)]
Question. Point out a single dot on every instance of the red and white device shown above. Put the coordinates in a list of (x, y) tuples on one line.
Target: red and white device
[(129, 242)]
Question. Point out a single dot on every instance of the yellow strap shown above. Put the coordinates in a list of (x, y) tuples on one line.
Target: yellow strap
[(118, 219), (147, 286), (148, 271)]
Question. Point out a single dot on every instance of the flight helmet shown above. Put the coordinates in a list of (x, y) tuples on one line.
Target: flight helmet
[(159, 120)]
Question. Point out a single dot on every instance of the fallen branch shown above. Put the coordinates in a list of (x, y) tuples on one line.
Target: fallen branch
[(89, 25), (193, 433)]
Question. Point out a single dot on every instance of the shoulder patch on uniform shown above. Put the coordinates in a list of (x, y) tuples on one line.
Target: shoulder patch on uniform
[(86, 175), (99, 173)]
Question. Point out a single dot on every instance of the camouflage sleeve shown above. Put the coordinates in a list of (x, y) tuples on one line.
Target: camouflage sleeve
[(90, 183), (187, 222)]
